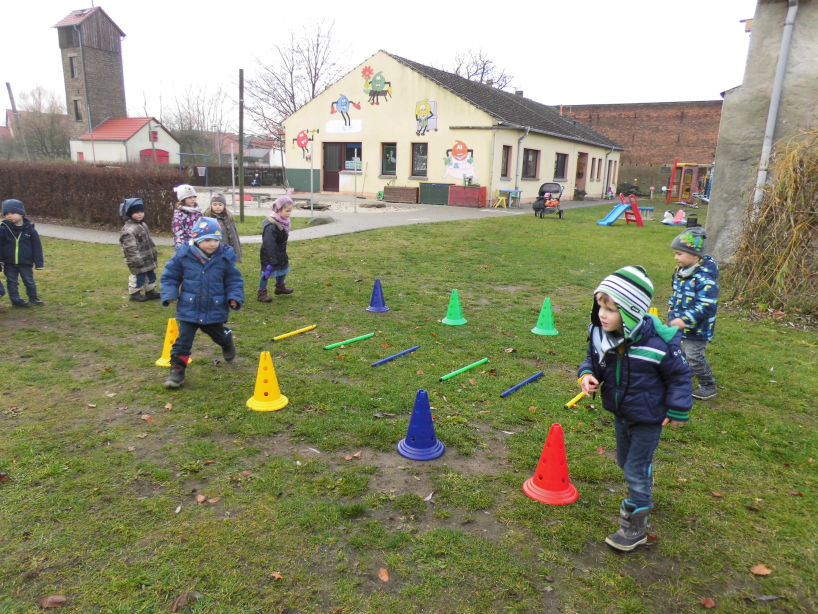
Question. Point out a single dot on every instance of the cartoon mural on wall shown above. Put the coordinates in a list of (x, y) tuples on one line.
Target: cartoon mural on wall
[(375, 84), (459, 162), (303, 139), (342, 106), (425, 116)]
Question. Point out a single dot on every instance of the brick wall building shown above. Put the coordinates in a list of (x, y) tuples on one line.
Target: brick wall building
[(654, 134), (91, 50)]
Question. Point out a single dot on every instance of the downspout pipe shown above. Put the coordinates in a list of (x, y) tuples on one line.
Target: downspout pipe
[(519, 157), (775, 102)]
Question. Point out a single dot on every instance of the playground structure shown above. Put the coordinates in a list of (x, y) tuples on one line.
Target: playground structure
[(629, 207), (689, 181)]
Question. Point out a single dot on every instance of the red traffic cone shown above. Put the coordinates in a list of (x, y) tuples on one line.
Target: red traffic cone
[(550, 483)]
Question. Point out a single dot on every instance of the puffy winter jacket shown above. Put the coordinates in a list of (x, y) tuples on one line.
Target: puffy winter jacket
[(274, 245), (138, 247), (695, 299), (645, 379), (203, 286), (20, 244)]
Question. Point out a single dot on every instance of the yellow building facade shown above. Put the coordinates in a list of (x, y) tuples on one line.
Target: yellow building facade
[(397, 127)]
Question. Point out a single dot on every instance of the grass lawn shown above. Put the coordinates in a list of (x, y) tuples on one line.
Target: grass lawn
[(121, 495)]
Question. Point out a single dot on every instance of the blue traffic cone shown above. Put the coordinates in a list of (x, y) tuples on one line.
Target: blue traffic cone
[(376, 303), (420, 442)]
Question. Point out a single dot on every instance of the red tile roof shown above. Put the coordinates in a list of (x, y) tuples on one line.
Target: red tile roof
[(119, 129)]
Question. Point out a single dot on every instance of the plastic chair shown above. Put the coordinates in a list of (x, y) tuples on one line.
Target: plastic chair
[(501, 201)]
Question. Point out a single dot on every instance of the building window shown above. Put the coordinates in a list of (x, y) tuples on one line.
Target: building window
[(531, 163), (389, 158), (560, 165), (420, 154), (351, 151), (77, 110), (506, 163), (72, 66), (154, 136), (80, 156)]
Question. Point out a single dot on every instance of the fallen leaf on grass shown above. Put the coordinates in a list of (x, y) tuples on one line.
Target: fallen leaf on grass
[(357, 455), (708, 603), (4, 477), (131, 448), (760, 570), (246, 473), (532, 408), (200, 498), (110, 395), (276, 575), (795, 493), (147, 418), (214, 500), (509, 350), (53, 601), (208, 462), (472, 382), (716, 493), (419, 372), (185, 599), (168, 405), (92, 405), (429, 496), (384, 345), (142, 435), (600, 450), (652, 538), (383, 574), (178, 509)]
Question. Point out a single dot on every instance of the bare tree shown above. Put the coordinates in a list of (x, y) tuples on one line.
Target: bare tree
[(197, 119), (44, 123), (477, 66), (301, 68)]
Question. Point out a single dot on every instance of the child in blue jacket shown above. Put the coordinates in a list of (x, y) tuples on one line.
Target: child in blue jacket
[(203, 277), (637, 364), (20, 252), (693, 304)]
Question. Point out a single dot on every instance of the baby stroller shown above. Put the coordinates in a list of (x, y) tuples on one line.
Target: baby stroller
[(548, 200)]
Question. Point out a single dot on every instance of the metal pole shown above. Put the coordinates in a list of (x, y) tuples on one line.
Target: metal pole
[(241, 144), (232, 175), (355, 163), (312, 150)]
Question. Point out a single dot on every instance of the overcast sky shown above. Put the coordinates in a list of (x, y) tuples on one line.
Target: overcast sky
[(559, 52)]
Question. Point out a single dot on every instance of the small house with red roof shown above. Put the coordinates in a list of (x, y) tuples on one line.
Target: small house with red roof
[(126, 139)]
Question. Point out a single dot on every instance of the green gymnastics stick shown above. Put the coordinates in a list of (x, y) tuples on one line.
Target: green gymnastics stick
[(354, 339), (466, 368)]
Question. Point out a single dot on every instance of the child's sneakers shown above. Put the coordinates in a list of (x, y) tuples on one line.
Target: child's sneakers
[(36, 301), (704, 394), (138, 297), (229, 351), (152, 295)]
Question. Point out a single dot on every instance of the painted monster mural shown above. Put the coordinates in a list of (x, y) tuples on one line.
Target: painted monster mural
[(459, 162), (342, 106), (376, 85)]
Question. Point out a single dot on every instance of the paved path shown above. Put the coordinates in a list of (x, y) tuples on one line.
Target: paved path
[(349, 215)]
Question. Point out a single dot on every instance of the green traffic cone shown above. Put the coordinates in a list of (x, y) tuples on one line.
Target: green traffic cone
[(454, 316), (545, 323)]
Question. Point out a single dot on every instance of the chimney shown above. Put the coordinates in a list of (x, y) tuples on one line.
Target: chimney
[(518, 92)]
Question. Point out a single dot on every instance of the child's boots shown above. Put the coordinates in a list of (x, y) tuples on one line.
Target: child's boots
[(263, 296), (282, 289), (138, 297), (152, 295), (632, 531), (176, 377), (229, 350)]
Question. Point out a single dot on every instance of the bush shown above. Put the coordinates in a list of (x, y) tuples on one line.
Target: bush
[(87, 194)]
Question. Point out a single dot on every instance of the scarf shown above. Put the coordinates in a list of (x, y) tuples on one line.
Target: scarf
[(285, 223)]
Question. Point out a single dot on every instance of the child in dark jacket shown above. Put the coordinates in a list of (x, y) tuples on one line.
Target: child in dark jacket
[(275, 231), (20, 252), (139, 251), (693, 304), (637, 363), (230, 234), (203, 277)]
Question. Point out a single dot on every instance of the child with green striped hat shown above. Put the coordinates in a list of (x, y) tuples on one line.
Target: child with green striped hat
[(637, 364)]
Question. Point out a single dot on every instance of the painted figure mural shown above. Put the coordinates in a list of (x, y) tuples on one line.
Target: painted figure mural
[(375, 84), (342, 106), (459, 162), (425, 117)]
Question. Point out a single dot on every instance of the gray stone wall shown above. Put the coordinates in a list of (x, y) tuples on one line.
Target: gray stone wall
[(744, 115)]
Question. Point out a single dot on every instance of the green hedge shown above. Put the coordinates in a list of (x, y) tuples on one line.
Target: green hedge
[(86, 194)]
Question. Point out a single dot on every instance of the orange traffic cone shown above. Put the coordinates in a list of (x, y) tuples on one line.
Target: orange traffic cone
[(550, 483), (267, 395)]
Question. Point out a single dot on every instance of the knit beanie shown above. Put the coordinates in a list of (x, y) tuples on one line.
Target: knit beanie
[(12, 205), (281, 202), (631, 290), (184, 191), (131, 206), (218, 198), (690, 241)]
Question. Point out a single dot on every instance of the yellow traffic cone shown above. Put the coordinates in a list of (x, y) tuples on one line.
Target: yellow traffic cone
[(171, 332), (267, 395)]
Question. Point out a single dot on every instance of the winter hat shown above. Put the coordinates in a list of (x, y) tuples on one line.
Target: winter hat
[(631, 290), (690, 241), (184, 191), (218, 198), (12, 205), (131, 206), (281, 202), (206, 228)]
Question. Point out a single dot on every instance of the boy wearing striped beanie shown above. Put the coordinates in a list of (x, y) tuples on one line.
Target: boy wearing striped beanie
[(637, 364)]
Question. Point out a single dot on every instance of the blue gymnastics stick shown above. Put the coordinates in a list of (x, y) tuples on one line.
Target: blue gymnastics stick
[(528, 380), (394, 356)]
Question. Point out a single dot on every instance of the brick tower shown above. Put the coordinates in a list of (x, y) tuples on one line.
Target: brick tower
[(91, 49)]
